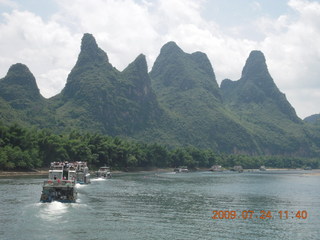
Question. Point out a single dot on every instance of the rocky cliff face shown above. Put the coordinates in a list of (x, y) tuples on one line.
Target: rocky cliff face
[(141, 93)]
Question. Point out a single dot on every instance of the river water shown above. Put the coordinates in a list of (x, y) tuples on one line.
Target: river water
[(167, 206)]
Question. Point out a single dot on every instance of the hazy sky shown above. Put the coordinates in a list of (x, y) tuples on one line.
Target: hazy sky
[(46, 36)]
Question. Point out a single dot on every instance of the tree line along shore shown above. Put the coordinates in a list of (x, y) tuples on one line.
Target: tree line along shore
[(24, 149)]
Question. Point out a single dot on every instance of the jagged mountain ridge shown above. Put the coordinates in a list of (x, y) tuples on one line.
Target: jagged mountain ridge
[(186, 86), (181, 104), (107, 100), (257, 86), (264, 110)]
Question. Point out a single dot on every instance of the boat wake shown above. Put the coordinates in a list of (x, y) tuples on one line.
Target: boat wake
[(98, 179), (53, 211), (78, 185)]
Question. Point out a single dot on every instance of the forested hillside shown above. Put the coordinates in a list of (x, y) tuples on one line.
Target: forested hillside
[(26, 149), (178, 104), (313, 119), (21, 101), (266, 112), (186, 86)]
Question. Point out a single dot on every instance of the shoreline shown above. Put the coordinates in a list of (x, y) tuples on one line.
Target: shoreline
[(24, 173), (44, 172)]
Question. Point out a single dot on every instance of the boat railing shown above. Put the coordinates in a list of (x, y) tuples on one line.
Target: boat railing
[(59, 182)]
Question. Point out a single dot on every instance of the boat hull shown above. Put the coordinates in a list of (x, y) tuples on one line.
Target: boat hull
[(64, 192)]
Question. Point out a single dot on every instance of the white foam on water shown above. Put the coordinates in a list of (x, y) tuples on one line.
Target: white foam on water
[(78, 204), (53, 211), (98, 179), (78, 185)]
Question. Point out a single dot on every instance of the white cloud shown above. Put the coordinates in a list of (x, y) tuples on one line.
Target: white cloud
[(9, 3), (292, 48), (45, 47), (126, 28), (256, 6), (122, 28), (305, 98)]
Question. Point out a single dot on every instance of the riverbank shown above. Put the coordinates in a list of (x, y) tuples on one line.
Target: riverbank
[(44, 172), (40, 172)]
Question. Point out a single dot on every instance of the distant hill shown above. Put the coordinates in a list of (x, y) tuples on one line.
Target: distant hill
[(186, 86), (264, 110), (99, 98), (178, 103), (314, 119), (256, 87), (21, 101)]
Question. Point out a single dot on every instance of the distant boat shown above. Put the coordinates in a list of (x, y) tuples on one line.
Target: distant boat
[(82, 170), (104, 172), (216, 168), (182, 169), (237, 169), (262, 168), (308, 168)]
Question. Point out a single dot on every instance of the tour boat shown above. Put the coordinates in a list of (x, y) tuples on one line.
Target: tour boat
[(104, 172), (82, 172), (60, 185), (182, 169)]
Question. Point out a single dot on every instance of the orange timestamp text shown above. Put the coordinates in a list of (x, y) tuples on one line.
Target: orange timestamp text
[(262, 214)]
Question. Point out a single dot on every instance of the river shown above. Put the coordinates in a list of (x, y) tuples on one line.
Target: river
[(265, 205)]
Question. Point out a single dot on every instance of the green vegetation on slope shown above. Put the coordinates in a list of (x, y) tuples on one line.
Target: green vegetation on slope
[(265, 112), (313, 119), (182, 105), (21, 101), (22, 149), (186, 86), (97, 97)]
